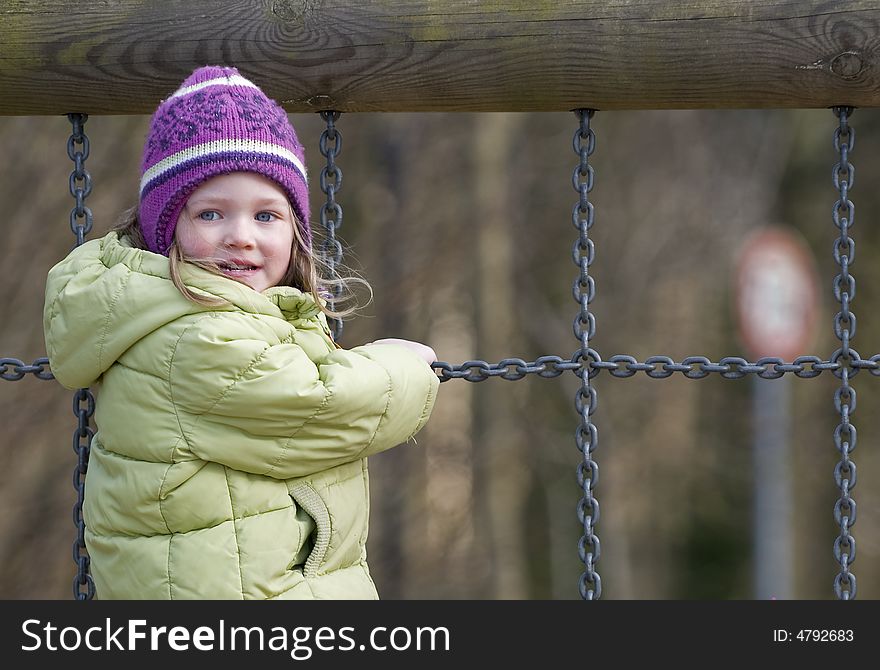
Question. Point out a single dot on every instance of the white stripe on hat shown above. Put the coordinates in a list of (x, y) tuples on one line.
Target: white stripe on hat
[(220, 147), (233, 80)]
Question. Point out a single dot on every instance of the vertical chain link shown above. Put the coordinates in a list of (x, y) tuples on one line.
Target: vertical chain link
[(83, 409), (83, 400), (80, 180), (331, 212), (843, 176), (584, 289)]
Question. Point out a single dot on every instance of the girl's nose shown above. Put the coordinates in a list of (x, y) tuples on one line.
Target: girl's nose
[(239, 232)]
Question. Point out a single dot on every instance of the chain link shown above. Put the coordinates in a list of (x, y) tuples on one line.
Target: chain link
[(83, 400), (656, 367), (19, 369), (510, 369), (80, 180), (843, 214), (331, 212), (83, 409), (619, 365), (584, 326)]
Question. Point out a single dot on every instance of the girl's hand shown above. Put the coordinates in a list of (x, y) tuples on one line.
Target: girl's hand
[(425, 352)]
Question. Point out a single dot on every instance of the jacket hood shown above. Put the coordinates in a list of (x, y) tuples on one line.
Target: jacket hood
[(106, 295)]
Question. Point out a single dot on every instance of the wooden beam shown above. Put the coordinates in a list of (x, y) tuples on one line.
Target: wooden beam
[(124, 56)]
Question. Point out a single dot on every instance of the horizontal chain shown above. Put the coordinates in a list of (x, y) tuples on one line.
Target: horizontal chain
[(621, 365), (510, 369), (656, 367), (39, 368)]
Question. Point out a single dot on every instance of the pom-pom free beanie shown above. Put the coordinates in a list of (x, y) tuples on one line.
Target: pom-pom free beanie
[(217, 122)]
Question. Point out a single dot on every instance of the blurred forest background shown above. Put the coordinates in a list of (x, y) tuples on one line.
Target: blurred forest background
[(462, 223)]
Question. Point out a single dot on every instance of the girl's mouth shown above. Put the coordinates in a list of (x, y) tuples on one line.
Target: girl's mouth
[(237, 270)]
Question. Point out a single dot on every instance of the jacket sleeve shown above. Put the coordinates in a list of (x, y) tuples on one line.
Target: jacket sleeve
[(269, 409)]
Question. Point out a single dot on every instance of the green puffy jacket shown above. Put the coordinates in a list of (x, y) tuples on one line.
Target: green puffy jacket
[(229, 460)]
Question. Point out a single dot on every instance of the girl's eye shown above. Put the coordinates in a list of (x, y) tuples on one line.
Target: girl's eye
[(264, 217), (210, 215)]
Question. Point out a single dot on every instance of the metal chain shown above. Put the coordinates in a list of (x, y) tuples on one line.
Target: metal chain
[(83, 400), (80, 180), (729, 367), (83, 409), (656, 367), (843, 176), (619, 365), (510, 369), (19, 369), (331, 212), (584, 289)]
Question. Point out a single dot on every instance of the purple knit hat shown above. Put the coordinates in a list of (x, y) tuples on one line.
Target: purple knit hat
[(217, 122)]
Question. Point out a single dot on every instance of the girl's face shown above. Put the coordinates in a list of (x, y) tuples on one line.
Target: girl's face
[(243, 222)]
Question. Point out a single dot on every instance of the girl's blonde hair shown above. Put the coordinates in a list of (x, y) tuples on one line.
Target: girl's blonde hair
[(308, 271)]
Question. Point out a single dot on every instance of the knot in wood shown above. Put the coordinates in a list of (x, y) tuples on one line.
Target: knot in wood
[(293, 10), (847, 65)]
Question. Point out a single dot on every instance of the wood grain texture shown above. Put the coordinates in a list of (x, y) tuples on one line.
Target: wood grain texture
[(123, 56)]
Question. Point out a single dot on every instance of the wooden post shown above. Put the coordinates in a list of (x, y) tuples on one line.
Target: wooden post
[(123, 56)]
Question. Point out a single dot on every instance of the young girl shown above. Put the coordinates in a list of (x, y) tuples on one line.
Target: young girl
[(230, 456)]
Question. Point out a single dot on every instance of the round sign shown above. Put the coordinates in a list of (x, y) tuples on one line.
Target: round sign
[(776, 294)]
